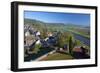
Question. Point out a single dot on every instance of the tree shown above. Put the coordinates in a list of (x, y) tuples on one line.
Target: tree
[(71, 45), (62, 39)]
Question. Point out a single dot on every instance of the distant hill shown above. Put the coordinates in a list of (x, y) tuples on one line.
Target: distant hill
[(41, 23), (33, 22), (56, 24)]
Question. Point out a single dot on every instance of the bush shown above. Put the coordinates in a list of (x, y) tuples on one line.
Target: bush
[(37, 48)]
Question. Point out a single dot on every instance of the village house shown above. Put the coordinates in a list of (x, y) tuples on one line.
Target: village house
[(80, 52)]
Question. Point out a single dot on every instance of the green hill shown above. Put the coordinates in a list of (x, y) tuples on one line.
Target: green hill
[(40, 25)]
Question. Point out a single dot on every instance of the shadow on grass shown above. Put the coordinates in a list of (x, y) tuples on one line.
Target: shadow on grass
[(35, 56)]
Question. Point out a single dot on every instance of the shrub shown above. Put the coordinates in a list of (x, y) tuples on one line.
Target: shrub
[(37, 48)]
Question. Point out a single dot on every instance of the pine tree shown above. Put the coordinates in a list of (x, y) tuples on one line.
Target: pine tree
[(70, 44)]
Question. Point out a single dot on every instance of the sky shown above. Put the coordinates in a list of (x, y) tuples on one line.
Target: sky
[(57, 17)]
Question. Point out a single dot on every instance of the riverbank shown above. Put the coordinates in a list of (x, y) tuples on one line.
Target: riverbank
[(86, 36)]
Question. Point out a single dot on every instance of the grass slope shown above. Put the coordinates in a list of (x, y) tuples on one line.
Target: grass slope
[(58, 56)]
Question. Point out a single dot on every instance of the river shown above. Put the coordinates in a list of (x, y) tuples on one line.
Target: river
[(83, 39)]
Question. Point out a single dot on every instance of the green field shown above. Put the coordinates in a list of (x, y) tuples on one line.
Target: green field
[(58, 56)]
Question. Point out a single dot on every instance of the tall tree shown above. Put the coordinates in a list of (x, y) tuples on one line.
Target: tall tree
[(70, 44)]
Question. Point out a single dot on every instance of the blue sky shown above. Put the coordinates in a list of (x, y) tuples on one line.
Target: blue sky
[(57, 17)]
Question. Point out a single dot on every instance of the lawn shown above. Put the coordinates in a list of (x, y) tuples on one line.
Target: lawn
[(58, 56)]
